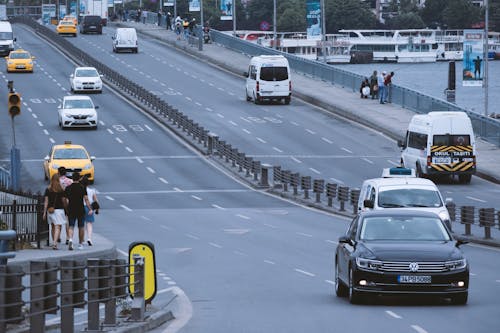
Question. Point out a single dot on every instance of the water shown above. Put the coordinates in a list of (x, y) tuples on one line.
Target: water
[(432, 79)]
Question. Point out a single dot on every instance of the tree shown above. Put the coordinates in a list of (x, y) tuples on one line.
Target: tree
[(494, 15), (460, 14), (406, 21), (348, 14), (432, 13)]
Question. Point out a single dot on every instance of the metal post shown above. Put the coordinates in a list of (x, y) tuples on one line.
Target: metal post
[(93, 294), (274, 26), (139, 304), (323, 30), (485, 73), (201, 17), (37, 318), (175, 9), (264, 181), (5, 236), (67, 315), (234, 18)]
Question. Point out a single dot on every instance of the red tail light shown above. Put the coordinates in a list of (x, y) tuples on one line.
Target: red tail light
[(257, 86), (428, 160)]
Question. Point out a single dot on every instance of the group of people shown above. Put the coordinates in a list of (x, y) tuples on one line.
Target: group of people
[(69, 202), (378, 86), (184, 27)]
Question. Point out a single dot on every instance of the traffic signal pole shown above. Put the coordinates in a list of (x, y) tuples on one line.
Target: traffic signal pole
[(14, 108)]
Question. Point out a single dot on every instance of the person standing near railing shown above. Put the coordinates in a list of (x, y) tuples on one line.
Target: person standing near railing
[(381, 87)]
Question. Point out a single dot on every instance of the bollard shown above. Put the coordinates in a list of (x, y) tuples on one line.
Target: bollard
[(93, 294), (305, 183), (294, 182), (138, 304), (343, 196), (487, 220), (212, 139), (72, 292), (43, 293), (331, 192), (467, 218), (354, 200), (318, 188), (5, 236), (256, 170), (11, 300), (285, 178), (264, 175), (276, 176)]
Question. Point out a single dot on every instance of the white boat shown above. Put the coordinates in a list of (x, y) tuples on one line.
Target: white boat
[(450, 45)]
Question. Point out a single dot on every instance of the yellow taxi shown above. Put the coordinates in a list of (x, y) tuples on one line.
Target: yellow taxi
[(66, 27), (71, 19), (19, 61), (74, 158)]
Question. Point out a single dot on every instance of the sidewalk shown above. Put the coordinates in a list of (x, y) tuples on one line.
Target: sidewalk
[(389, 119)]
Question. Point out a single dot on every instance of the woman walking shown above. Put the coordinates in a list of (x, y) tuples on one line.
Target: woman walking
[(54, 202), (94, 204)]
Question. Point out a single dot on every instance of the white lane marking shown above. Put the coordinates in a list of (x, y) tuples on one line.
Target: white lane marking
[(336, 180), (304, 272), (129, 150), (327, 141), (296, 159), (165, 227), (126, 208), (278, 150), (220, 115), (392, 314), (151, 170), (270, 225), (367, 160), (139, 160), (52, 140), (331, 242), (215, 245), (246, 131), (269, 262), (118, 140), (233, 123), (176, 189), (148, 128), (315, 171), (209, 109), (418, 329), (171, 283), (294, 123), (198, 103), (39, 123), (189, 98), (475, 199), (260, 140), (163, 180), (310, 131), (303, 234), (145, 218), (497, 281), (347, 150), (46, 132), (192, 236), (472, 274), (110, 131), (218, 207), (196, 198), (245, 119), (34, 116), (330, 282), (110, 198), (240, 253), (220, 88), (243, 216)]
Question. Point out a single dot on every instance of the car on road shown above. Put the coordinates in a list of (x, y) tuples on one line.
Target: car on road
[(19, 61), (125, 39), (85, 79), (77, 111), (91, 23), (74, 158), (400, 252), (66, 27), (70, 18)]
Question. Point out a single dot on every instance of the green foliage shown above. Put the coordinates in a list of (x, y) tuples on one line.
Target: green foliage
[(348, 14), (406, 21), (460, 14), (432, 13)]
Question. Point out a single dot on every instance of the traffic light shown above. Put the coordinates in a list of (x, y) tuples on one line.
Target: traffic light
[(14, 100)]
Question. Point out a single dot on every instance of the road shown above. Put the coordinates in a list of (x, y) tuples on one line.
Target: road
[(248, 262)]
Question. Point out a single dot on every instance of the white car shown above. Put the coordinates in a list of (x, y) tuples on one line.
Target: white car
[(77, 111), (85, 79)]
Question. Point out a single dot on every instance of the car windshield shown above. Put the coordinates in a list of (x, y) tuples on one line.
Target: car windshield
[(409, 197), (19, 55), (6, 35), (78, 104), (86, 73), (403, 228), (70, 154), (273, 73), (66, 23)]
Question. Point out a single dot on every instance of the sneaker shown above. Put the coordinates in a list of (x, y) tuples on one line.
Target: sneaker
[(80, 246), (70, 245), (89, 242), (67, 241)]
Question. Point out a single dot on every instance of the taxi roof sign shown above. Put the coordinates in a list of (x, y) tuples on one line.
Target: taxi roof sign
[(398, 172)]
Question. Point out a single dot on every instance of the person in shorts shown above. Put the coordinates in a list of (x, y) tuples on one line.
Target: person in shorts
[(76, 197), (53, 212), (94, 204)]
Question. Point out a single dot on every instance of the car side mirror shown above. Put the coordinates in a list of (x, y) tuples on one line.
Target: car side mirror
[(96, 107), (101, 75), (368, 203), (32, 58), (401, 144), (245, 74), (15, 39), (92, 158), (345, 240), (46, 158), (113, 37), (59, 107), (71, 75), (461, 241)]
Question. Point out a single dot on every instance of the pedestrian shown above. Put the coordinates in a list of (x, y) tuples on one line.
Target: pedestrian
[(139, 15), (374, 85), (364, 90), (192, 25), (125, 15), (65, 181), (53, 208), (178, 27), (144, 15), (94, 204), (185, 28), (381, 86), (388, 87), (76, 197), (159, 18), (168, 20)]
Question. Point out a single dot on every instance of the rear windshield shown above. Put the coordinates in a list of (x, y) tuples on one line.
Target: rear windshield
[(274, 73), (92, 19), (451, 140)]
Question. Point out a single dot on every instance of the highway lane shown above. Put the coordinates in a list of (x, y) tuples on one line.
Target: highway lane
[(249, 262), (299, 136)]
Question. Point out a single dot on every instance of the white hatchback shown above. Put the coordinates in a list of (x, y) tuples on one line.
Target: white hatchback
[(77, 111), (85, 79)]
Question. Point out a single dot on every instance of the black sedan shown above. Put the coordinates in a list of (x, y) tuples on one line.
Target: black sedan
[(400, 252)]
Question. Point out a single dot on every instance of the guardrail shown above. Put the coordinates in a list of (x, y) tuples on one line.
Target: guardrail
[(338, 196), (59, 288), (485, 127)]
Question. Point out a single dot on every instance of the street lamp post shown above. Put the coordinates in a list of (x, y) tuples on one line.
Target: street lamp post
[(234, 17), (485, 74), (275, 44), (323, 30)]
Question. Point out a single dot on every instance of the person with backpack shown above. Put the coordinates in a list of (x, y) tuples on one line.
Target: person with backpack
[(76, 197)]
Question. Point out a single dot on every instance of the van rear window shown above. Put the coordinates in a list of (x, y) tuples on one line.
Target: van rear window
[(451, 140), (274, 73)]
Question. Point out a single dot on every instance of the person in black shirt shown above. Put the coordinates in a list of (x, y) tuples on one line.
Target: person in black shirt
[(76, 196), (53, 212)]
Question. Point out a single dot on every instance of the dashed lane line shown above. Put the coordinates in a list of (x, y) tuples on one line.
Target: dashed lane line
[(418, 329), (367, 160), (192, 236), (150, 169), (295, 159), (392, 314), (163, 180), (304, 234), (243, 216), (346, 150), (261, 140), (215, 245), (327, 141), (304, 272), (218, 207), (315, 171), (196, 198), (269, 262), (126, 208)]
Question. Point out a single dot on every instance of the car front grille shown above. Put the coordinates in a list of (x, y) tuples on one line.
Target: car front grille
[(82, 116), (406, 267)]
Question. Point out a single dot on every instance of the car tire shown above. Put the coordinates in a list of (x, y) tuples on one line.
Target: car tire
[(355, 297), (340, 288), (287, 100), (459, 299), (464, 179), (256, 100), (248, 97), (418, 171)]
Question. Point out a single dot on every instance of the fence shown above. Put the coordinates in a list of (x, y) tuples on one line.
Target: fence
[(485, 127), (253, 171), (59, 288), (4, 178)]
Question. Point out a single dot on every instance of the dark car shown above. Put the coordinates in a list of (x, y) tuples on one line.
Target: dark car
[(91, 23), (397, 252)]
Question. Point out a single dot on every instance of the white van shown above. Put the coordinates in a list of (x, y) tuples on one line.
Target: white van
[(268, 78), (440, 143), (6, 38), (125, 39), (403, 190)]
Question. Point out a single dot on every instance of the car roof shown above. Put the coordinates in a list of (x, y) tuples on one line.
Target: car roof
[(68, 145), (85, 68), (403, 181), (72, 97), (397, 212)]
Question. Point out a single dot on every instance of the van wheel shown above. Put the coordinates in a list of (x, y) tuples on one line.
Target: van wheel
[(418, 172), (255, 99), (248, 97), (464, 179), (287, 100)]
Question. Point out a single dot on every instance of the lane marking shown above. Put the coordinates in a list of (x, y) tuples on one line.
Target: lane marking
[(330, 282), (331, 242), (327, 141), (118, 140), (163, 180), (246, 131), (129, 150), (148, 128), (392, 314), (215, 245), (296, 159), (195, 197), (176, 189), (294, 123), (418, 329), (192, 236), (310, 131), (259, 139), (46, 132), (475, 199), (367, 160), (110, 198), (220, 115), (240, 253), (218, 207), (126, 208), (269, 262), (270, 225), (151, 170), (303, 234), (278, 150), (315, 171), (347, 150), (304, 272), (233, 123), (139, 160), (110, 131), (243, 216)]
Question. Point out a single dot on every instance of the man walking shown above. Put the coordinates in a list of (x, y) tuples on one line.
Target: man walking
[(65, 182), (77, 196), (381, 87)]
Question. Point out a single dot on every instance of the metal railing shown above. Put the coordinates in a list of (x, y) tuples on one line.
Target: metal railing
[(4, 178), (485, 127)]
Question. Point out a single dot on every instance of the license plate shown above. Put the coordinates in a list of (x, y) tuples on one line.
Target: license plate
[(414, 279), (20, 67), (441, 160), (93, 27)]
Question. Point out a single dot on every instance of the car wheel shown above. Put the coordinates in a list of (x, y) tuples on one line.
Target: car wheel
[(340, 287), (287, 100), (248, 97), (418, 172), (460, 299), (255, 99), (354, 296), (464, 179)]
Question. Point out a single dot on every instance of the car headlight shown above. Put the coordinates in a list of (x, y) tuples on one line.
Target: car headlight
[(444, 216), (10, 62), (456, 264), (55, 166), (368, 263), (30, 62), (87, 166)]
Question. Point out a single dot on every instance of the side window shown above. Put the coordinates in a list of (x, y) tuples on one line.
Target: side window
[(372, 194), (253, 72), (353, 228), (417, 140)]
